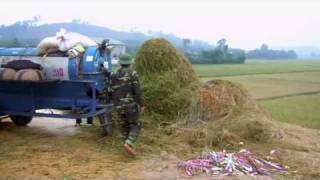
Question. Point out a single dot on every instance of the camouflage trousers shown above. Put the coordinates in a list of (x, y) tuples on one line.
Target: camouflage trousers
[(130, 125)]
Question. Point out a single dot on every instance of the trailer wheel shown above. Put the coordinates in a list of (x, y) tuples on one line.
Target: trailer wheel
[(21, 120)]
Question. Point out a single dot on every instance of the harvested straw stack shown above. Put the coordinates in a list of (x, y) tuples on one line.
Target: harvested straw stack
[(169, 82), (234, 116), (219, 113), (223, 98), (225, 115)]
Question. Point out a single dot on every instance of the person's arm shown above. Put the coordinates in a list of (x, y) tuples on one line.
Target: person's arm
[(110, 88), (137, 91)]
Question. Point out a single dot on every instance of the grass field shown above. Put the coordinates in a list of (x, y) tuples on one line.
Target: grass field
[(258, 67), (266, 86), (289, 90), (303, 110)]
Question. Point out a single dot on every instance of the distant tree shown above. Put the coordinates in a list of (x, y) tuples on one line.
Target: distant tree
[(219, 55), (265, 53), (76, 21), (264, 47), (292, 54), (223, 47), (313, 54), (186, 44), (222, 42)]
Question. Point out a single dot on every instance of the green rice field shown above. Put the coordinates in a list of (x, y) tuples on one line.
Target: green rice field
[(288, 89), (252, 67)]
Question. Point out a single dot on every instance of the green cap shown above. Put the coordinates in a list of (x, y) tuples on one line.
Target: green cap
[(125, 59)]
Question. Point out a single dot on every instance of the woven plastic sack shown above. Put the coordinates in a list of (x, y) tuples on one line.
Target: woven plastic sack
[(67, 40), (47, 45)]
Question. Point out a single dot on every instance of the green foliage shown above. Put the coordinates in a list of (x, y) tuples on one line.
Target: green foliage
[(265, 53), (220, 55), (168, 80)]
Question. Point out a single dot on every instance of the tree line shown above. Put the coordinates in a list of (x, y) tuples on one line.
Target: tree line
[(265, 53), (221, 54)]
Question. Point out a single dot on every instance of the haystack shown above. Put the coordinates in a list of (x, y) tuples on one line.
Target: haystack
[(224, 98), (227, 114), (218, 113), (169, 82)]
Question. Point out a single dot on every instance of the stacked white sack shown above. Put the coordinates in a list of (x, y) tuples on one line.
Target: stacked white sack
[(63, 41), (48, 45), (67, 40)]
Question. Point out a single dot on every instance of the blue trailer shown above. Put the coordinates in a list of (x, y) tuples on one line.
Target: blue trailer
[(75, 86)]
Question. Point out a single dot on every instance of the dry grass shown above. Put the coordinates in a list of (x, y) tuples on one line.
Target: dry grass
[(223, 98), (226, 115), (169, 82)]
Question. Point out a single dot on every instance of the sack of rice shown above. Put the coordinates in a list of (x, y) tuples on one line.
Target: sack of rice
[(30, 75), (7, 74), (67, 40), (48, 45)]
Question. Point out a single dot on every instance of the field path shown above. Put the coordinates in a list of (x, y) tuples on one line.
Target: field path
[(57, 149)]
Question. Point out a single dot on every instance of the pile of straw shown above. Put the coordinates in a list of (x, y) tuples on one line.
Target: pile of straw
[(220, 112), (169, 82), (226, 114)]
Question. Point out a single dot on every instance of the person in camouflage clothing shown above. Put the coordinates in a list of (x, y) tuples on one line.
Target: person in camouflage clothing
[(126, 96)]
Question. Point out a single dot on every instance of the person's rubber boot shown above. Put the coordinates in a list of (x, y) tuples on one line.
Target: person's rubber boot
[(128, 146), (90, 121), (129, 149), (106, 130), (78, 122)]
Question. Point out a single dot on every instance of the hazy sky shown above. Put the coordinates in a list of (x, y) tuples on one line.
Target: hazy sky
[(244, 23)]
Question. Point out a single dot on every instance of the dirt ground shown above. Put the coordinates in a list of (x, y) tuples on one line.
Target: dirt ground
[(57, 149)]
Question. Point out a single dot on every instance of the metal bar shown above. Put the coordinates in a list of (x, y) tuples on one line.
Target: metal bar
[(33, 108), (29, 81), (93, 98), (54, 115), (91, 73), (48, 81)]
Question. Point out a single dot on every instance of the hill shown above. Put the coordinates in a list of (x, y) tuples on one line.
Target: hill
[(26, 33)]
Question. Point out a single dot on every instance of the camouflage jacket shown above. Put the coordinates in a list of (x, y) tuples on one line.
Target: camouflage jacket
[(124, 88)]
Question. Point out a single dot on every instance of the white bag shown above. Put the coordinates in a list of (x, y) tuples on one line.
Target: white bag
[(47, 44), (67, 40)]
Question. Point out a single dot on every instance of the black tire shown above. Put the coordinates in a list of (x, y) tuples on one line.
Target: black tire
[(21, 120)]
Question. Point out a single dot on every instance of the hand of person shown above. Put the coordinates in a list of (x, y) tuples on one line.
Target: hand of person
[(142, 109)]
